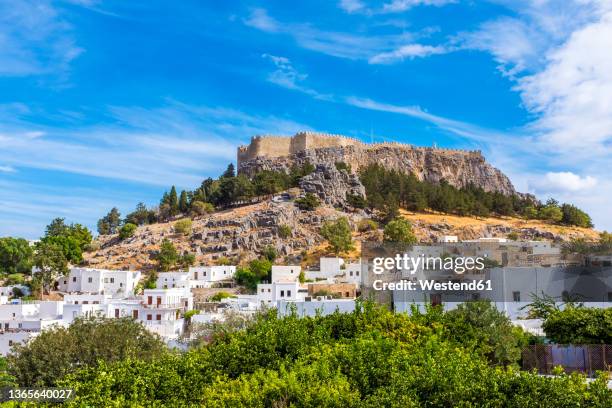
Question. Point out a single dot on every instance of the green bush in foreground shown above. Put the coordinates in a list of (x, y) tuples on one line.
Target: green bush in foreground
[(369, 358)]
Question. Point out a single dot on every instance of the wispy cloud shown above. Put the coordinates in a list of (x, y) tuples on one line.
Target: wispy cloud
[(288, 77), (409, 51), (174, 144), (34, 39), (334, 43), (352, 6), (399, 6)]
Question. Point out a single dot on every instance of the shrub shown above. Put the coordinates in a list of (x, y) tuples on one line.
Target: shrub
[(284, 231), (356, 201), (340, 166), (338, 234), (579, 325), (219, 296), (202, 208), (308, 203), (399, 230), (127, 231), (367, 225), (183, 226), (513, 236)]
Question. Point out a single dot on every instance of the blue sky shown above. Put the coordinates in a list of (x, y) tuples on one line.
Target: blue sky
[(107, 103)]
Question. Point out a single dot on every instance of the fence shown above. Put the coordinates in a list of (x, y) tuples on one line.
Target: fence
[(584, 358)]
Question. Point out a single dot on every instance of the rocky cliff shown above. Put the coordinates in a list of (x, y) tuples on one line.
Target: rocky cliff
[(457, 167)]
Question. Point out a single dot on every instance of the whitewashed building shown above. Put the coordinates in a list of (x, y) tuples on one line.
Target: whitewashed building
[(103, 281)]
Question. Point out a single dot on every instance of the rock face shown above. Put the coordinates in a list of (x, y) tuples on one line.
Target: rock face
[(458, 167), (332, 185)]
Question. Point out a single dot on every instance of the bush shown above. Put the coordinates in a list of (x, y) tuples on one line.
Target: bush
[(399, 230), (167, 257), (308, 203), (367, 225), (183, 226), (284, 231), (219, 296), (58, 351), (127, 231), (513, 236), (338, 234), (202, 208), (356, 201), (579, 325), (340, 166)]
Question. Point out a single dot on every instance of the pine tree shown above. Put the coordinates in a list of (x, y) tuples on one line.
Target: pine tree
[(183, 203), (229, 172), (173, 201)]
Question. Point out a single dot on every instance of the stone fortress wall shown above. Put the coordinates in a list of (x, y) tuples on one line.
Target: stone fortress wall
[(271, 146)]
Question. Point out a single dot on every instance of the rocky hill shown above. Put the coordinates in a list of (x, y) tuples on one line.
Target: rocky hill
[(242, 233), (458, 167)]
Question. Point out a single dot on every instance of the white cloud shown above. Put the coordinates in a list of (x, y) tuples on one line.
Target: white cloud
[(175, 144), (7, 169), (398, 6), (337, 44), (288, 77), (407, 51), (260, 20), (564, 181), (352, 6), (572, 95), (34, 39)]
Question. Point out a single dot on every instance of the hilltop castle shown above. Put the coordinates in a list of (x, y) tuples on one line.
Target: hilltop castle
[(458, 167)]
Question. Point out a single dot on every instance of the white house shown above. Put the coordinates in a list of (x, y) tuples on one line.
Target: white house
[(167, 280), (161, 310), (20, 321), (9, 290), (271, 293), (104, 281), (285, 273), (206, 275)]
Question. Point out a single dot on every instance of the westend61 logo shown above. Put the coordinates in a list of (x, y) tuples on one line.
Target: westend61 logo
[(410, 265)]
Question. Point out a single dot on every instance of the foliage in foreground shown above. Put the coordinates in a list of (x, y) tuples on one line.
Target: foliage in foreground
[(60, 351), (369, 358)]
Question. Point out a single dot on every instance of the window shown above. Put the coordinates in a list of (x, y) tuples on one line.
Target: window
[(268, 290), (351, 273), (516, 296), (135, 314), (356, 273), (74, 278), (158, 317), (10, 342), (112, 280), (90, 279), (282, 293), (85, 302), (13, 314), (348, 294), (149, 300), (76, 302), (116, 313), (19, 325), (262, 290), (121, 285), (149, 317), (288, 293)]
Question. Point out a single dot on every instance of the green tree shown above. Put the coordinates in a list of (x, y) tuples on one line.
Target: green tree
[(127, 230), (572, 215), (109, 224), (58, 351), (51, 263), (550, 212), (308, 203), (16, 256), (229, 172), (399, 230), (183, 202), (284, 231), (202, 208), (246, 278), (173, 203), (186, 260), (338, 235), (167, 257), (269, 253), (261, 268)]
